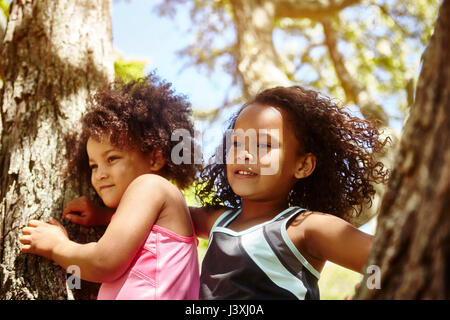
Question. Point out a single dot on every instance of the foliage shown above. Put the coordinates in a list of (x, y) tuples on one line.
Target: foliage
[(337, 283), (4, 6), (128, 70), (191, 200), (189, 195), (381, 42)]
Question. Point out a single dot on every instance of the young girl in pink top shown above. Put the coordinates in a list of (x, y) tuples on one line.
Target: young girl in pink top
[(149, 249)]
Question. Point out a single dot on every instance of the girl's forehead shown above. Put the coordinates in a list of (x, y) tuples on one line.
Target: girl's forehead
[(258, 116), (96, 142), (97, 145), (267, 117)]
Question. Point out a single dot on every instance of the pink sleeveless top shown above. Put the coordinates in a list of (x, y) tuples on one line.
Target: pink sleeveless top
[(165, 268)]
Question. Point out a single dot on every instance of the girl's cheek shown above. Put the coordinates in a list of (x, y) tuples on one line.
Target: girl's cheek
[(269, 162), (228, 171), (92, 180), (233, 156), (229, 159)]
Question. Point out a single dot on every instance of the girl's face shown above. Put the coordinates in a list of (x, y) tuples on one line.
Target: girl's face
[(269, 169), (114, 169)]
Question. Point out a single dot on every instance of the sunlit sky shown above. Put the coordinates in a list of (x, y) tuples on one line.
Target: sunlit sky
[(140, 33)]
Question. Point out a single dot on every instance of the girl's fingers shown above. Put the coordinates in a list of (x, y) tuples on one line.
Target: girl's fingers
[(26, 248), (75, 218), (71, 206), (68, 209), (69, 213), (34, 223), (54, 222), (25, 239), (27, 230), (76, 205)]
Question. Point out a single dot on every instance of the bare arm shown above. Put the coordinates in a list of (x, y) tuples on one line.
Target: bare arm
[(204, 218), (110, 257), (331, 238)]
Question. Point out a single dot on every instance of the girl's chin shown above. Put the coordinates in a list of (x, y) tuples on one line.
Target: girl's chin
[(244, 194), (111, 203)]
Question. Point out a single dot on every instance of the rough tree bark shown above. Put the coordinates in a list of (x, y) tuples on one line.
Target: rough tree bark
[(53, 55), (412, 240)]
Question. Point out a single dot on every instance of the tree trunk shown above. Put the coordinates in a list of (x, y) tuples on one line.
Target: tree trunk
[(411, 247), (257, 62), (54, 54)]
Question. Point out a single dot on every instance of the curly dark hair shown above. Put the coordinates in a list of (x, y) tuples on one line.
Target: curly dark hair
[(345, 148), (140, 114)]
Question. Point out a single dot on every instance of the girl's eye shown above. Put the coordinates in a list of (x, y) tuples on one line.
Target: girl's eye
[(93, 166), (236, 144), (112, 159)]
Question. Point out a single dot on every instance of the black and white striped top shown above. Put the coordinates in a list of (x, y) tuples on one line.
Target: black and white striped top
[(257, 263)]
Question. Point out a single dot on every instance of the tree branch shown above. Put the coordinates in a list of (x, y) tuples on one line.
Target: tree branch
[(313, 9), (257, 61), (353, 89)]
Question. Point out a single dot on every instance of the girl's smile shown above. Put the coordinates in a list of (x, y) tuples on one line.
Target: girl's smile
[(245, 173), (106, 188), (245, 163), (114, 169)]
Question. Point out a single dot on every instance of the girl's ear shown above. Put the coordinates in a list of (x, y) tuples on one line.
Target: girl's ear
[(305, 166), (156, 160)]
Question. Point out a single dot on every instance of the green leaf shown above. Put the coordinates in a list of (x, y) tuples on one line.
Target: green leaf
[(4, 5), (128, 70)]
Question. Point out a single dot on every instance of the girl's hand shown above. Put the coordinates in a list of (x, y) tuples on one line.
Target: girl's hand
[(85, 212), (41, 238)]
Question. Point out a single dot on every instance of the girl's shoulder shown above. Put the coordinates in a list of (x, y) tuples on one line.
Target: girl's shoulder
[(155, 180), (317, 216), (312, 222), (212, 212), (156, 186), (174, 214), (309, 230), (327, 237), (215, 212)]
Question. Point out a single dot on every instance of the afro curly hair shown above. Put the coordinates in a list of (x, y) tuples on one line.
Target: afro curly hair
[(141, 114), (345, 148)]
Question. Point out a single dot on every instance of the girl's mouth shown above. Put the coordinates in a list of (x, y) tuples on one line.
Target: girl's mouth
[(106, 187), (242, 173)]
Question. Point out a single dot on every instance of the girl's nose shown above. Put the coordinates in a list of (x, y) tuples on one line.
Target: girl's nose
[(245, 156), (248, 156), (101, 174)]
